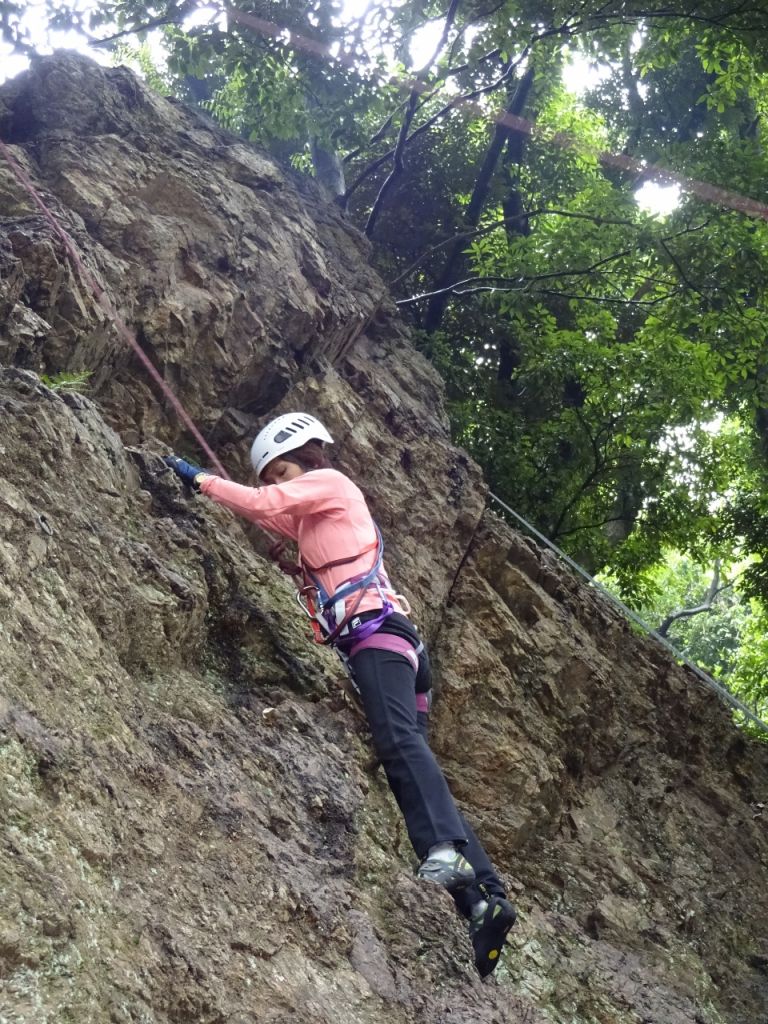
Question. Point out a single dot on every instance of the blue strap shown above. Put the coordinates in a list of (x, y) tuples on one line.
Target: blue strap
[(350, 588)]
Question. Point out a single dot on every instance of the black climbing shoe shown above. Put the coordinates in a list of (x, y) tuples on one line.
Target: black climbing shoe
[(451, 874), (488, 931)]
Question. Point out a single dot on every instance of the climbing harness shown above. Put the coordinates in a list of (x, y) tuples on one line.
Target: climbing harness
[(348, 633), (332, 623)]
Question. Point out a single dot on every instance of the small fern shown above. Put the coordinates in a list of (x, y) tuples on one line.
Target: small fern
[(67, 381)]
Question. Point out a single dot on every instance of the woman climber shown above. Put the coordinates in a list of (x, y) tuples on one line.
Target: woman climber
[(348, 594)]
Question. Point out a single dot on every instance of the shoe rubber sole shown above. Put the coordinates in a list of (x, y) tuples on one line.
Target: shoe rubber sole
[(489, 932)]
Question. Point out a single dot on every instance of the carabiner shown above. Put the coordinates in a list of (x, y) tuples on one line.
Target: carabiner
[(303, 599)]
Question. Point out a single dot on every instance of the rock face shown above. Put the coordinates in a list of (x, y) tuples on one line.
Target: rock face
[(191, 828)]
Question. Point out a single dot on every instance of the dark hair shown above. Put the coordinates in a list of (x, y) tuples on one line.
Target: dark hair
[(309, 456)]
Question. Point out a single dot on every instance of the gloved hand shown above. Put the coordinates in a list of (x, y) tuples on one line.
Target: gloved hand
[(185, 471)]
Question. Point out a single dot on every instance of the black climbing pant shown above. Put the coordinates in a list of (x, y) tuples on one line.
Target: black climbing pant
[(388, 683)]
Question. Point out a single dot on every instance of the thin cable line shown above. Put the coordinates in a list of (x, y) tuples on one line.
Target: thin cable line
[(719, 688)]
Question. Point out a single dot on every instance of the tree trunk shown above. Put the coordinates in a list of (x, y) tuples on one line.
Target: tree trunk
[(455, 259)]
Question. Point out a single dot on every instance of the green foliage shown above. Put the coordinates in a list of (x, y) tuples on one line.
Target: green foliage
[(140, 59), (747, 678), (68, 382), (727, 637)]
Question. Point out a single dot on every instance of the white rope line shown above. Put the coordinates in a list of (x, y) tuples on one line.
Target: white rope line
[(719, 688)]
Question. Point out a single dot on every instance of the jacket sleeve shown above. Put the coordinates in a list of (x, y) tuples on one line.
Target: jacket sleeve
[(285, 525), (276, 505)]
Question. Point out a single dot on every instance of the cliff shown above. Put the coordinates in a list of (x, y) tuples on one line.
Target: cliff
[(192, 830)]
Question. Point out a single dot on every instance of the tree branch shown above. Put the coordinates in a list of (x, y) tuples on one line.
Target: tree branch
[(517, 280), (381, 132), (450, 17), (678, 267), (606, 299), (503, 222), (457, 101), (179, 16), (591, 526), (515, 106), (463, 67), (378, 134), (713, 591), (594, 473), (397, 166), (397, 157)]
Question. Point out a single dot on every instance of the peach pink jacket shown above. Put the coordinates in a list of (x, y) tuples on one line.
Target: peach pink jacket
[(323, 511)]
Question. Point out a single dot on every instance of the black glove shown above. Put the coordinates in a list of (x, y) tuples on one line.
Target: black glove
[(185, 471)]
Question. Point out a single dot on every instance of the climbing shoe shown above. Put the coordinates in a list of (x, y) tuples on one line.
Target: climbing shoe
[(488, 930), (453, 874)]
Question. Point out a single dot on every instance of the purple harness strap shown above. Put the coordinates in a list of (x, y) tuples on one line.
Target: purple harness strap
[(366, 629), (386, 642), (398, 645), (422, 702)]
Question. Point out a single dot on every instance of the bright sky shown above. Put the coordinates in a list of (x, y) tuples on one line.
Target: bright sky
[(579, 76), (33, 19)]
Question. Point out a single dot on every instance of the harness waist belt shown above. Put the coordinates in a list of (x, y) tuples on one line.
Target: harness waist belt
[(398, 645)]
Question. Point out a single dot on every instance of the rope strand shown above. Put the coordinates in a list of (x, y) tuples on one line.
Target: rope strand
[(102, 300)]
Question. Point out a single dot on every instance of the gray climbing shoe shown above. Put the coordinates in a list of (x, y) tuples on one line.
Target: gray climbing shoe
[(453, 874)]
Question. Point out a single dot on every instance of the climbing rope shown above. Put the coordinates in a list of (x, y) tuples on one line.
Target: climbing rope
[(103, 301), (717, 687), (122, 328)]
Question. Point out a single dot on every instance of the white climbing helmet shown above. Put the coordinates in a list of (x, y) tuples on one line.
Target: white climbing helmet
[(285, 434)]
